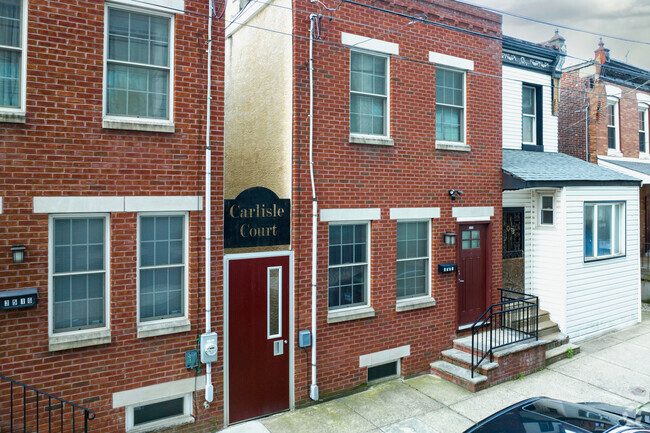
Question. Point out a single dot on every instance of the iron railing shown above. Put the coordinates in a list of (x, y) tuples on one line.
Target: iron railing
[(511, 321), (32, 410)]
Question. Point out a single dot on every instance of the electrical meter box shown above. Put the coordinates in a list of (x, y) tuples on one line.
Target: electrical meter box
[(209, 347)]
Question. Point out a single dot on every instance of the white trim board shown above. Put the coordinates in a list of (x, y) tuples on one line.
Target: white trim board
[(159, 391), (85, 204), (173, 6), (478, 213), (370, 44), (451, 61), (414, 213), (333, 215), (0, 205)]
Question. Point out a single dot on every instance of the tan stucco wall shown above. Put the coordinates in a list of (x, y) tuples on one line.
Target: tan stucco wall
[(258, 96)]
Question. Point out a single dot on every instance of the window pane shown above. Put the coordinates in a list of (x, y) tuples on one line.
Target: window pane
[(528, 100), (347, 246), (616, 229), (547, 202), (528, 125), (589, 231), (547, 217), (10, 78), (10, 22), (275, 303), (157, 411), (448, 123), (604, 230)]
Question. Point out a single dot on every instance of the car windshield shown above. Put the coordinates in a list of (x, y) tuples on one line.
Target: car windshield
[(582, 417)]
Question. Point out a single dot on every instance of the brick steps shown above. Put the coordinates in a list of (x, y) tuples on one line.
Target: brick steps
[(459, 375)]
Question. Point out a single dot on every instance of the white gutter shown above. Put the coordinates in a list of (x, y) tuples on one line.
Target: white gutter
[(313, 389), (209, 391)]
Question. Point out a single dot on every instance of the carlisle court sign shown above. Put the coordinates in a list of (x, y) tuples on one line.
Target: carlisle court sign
[(256, 218)]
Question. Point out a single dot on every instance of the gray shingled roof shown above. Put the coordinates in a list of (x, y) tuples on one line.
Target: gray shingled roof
[(641, 167), (524, 169)]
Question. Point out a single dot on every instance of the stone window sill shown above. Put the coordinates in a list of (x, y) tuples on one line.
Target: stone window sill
[(163, 327), (13, 117), (138, 125), (370, 139), (76, 339), (614, 152), (414, 304), (337, 316), (451, 145)]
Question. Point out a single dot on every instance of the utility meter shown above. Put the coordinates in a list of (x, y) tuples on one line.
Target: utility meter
[(209, 347)]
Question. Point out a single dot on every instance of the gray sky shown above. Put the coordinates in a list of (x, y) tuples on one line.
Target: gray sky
[(621, 18)]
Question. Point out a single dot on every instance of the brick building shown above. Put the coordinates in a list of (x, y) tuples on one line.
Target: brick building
[(405, 147), (604, 120), (103, 124)]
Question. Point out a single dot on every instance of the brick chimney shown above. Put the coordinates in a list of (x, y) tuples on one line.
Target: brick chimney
[(602, 53)]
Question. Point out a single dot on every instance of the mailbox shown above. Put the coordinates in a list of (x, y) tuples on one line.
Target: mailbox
[(446, 268), (13, 299)]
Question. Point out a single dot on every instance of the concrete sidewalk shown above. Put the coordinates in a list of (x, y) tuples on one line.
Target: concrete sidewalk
[(614, 368)]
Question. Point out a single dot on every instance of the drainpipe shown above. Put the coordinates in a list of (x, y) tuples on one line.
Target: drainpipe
[(208, 198), (313, 389)]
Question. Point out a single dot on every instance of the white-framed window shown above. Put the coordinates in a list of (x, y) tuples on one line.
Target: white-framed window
[(529, 115), (546, 209), (604, 230), (349, 265), (138, 74), (450, 105), (369, 101), (79, 257), (162, 266), (413, 259), (159, 413), (643, 129), (613, 140), (13, 43)]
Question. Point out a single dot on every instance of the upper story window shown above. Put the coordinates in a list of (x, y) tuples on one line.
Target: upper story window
[(412, 259), (450, 105), (138, 65), (348, 265), (612, 125), (368, 94), (12, 55), (529, 115), (546, 205), (162, 266), (79, 257), (604, 234), (643, 129)]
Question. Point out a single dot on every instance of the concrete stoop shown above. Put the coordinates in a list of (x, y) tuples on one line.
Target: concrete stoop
[(509, 363)]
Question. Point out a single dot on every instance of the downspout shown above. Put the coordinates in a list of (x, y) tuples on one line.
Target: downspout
[(313, 389), (208, 198)]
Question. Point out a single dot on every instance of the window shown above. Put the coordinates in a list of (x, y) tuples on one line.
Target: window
[(159, 413), (450, 105), (604, 230), (12, 58), (348, 265), (612, 125), (412, 259), (368, 94), (643, 129), (80, 257), (528, 111), (138, 65), (546, 210), (162, 266)]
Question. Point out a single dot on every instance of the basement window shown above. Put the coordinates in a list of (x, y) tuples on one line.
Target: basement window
[(383, 371), (159, 413)]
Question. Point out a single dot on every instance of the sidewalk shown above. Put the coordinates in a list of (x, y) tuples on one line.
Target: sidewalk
[(614, 368)]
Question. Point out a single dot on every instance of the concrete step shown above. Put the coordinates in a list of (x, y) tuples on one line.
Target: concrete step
[(555, 340), (464, 359), (547, 328), (561, 352), (459, 375)]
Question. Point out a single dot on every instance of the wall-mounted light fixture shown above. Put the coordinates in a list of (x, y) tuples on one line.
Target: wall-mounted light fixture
[(449, 238), (18, 252), (453, 193)]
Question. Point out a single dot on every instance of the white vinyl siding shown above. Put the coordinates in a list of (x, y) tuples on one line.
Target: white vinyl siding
[(513, 80), (602, 295)]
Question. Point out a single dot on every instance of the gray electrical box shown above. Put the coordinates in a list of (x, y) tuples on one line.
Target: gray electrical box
[(304, 339), (209, 347), (191, 358)]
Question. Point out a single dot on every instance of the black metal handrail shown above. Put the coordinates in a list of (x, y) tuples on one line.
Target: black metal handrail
[(511, 321), (31, 406)]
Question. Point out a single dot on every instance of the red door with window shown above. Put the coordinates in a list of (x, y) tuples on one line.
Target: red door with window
[(258, 337), (472, 272)]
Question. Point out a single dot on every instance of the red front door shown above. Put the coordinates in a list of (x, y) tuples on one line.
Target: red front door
[(472, 272), (258, 336)]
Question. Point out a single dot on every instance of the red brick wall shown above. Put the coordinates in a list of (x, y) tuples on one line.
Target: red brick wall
[(574, 97), (62, 150), (412, 173)]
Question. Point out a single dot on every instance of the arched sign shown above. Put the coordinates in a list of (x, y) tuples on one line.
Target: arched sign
[(256, 218)]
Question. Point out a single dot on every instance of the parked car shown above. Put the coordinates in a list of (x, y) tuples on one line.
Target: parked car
[(542, 414)]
